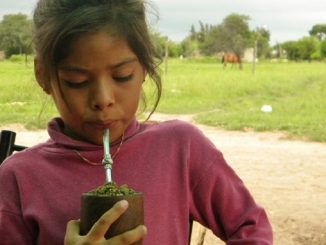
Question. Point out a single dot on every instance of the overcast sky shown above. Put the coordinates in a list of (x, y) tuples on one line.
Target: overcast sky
[(285, 19)]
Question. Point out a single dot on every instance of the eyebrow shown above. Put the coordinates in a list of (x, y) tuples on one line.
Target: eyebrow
[(71, 68)]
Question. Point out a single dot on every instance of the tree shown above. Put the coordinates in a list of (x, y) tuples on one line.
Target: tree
[(160, 43), (318, 31), (262, 36), (16, 34), (193, 33), (323, 48), (211, 45), (292, 50), (309, 48), (189, 47), (204, 30), (232, 35)]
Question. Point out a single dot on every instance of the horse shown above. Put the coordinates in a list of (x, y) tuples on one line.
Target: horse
[(233, 59)]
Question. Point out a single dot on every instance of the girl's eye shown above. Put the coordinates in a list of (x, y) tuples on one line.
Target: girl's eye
[(75, 85), (123, 79)]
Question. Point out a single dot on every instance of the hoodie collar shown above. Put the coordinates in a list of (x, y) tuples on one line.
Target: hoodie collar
[(55, 131)]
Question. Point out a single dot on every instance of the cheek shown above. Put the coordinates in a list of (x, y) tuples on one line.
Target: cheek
[(58, 99), (131, 100), (68, 103)]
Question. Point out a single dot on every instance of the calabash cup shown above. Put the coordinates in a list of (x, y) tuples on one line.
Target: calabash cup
[(94, 206)]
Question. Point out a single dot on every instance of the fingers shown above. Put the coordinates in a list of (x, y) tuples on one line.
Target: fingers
[(99, 229), (97, 232), (130, 237), (72, 232)]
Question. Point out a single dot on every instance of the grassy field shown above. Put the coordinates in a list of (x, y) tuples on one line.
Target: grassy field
[(225, 98), (21, 99)]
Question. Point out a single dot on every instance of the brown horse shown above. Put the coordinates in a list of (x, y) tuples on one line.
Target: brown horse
[(233, 59)]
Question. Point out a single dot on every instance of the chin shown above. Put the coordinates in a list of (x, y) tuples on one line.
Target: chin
[(96, 141)]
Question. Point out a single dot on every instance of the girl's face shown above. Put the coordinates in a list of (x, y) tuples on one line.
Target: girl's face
[(100, 83)]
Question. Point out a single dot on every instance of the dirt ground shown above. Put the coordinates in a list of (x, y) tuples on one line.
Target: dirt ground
[(286, 177)]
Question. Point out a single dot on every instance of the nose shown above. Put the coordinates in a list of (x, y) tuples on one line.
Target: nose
[(102, 95)]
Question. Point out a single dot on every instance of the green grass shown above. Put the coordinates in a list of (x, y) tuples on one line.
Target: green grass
[(232, 99), (21, 99), (225, 98)]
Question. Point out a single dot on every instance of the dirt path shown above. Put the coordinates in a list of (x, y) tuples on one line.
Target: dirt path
[(287, 177)]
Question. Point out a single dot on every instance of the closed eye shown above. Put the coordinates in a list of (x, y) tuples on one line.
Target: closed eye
[(123, 79), (75, 85)]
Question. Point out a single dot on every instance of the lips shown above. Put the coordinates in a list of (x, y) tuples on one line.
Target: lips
[(103, 125)]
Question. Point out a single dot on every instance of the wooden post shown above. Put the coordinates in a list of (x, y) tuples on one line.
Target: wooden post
[(166, 56), (254, 57)]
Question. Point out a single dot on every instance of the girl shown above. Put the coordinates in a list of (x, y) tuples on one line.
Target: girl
[(93, 57)]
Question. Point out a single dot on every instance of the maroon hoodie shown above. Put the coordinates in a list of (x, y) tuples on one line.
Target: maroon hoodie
[(180, 172)]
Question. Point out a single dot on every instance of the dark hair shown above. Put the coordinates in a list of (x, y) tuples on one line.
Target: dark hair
[(57, 23)]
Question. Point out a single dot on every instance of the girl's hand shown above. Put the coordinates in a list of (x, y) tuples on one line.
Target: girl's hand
[(96, 234)]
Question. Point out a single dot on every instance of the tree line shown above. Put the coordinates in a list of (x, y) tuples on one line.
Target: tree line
[(232, 35)]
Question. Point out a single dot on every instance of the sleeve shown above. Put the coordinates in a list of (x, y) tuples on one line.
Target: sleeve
[(13, 229), (220, 200), (12, 226)]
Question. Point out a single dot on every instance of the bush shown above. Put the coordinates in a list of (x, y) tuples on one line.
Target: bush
[(20, 58), (323, 48)]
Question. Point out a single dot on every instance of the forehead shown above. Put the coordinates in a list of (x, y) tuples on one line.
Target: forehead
[(98, 47)]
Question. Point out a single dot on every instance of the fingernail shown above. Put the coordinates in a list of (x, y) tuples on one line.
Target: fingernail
[(123, 203), (144, 229)]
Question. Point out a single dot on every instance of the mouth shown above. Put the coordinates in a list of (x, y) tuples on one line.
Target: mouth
[(104, 125)]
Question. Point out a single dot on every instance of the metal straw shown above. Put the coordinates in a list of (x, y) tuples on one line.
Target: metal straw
[(107, 159)]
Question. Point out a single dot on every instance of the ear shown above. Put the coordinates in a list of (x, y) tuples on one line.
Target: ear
[(39, 75)]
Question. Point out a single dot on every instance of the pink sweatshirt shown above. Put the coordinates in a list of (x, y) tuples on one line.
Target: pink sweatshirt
[(180, 172)]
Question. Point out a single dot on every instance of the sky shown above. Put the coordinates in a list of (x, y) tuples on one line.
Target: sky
[(285, 19)]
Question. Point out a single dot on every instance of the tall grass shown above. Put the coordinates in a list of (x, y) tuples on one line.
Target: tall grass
[(225, 98)]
